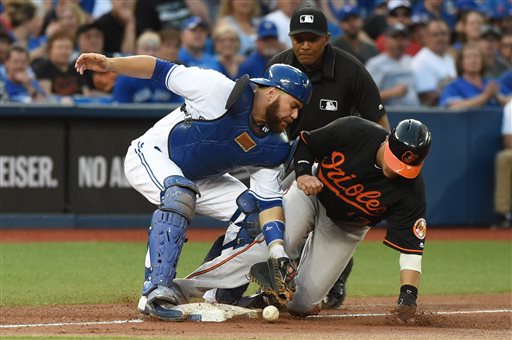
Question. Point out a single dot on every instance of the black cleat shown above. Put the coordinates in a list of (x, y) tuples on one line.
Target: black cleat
[(230, 296), (338, 292), (259, 300)]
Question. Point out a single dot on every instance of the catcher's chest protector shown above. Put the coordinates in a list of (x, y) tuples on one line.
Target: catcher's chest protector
[(204, 149)]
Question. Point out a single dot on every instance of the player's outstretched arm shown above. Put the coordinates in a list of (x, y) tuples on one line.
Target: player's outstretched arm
[(410, 273), (139, 66)]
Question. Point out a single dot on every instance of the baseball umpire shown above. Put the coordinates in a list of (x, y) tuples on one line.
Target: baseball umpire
[(181, 164), (341, 87), (364, 175)]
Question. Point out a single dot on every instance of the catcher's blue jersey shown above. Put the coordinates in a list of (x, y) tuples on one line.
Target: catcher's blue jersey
[(209, 148)]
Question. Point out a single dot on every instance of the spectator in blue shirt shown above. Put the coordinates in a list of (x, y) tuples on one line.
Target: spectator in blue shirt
[(471, 89), (267, 45), (135, 90), (20, 85), (194, 32)]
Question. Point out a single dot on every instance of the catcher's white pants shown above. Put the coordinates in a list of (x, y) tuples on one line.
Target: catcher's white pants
[(327, 249), (146, 168)]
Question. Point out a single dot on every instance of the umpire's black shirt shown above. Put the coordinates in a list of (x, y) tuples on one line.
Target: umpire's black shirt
[(342, 87)]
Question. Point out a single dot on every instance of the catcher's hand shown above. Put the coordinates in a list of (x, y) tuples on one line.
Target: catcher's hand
[(406, 307), (276, 278), (93, 62)]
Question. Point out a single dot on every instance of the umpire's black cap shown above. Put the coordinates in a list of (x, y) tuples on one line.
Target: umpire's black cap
[(308, 19)]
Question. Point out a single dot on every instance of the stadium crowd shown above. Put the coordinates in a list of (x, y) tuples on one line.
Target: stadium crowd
[(446, 53), (450, 54)]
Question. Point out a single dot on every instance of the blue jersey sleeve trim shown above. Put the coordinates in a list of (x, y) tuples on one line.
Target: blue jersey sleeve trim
[(265, 203), (162, 71)]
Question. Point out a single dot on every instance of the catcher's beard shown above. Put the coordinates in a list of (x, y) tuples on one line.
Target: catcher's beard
[(272, 116)]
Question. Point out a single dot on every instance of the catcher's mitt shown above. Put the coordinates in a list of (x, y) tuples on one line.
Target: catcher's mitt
[(276, 278)]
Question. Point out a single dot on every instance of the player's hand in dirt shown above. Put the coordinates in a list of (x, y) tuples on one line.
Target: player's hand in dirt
[(93, 62), (406, 307), (310, 185)]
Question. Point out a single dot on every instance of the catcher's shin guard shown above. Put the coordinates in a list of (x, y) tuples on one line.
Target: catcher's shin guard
[(167, 232)]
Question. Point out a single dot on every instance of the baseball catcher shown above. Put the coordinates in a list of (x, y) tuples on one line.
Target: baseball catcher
[(182, 163)]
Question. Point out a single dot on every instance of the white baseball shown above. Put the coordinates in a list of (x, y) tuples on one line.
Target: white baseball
[(270, 313)]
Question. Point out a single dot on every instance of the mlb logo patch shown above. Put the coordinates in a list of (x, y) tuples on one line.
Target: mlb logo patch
[(306, 19), (328, 105)]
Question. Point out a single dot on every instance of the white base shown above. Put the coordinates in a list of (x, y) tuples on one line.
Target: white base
[(215, 312)]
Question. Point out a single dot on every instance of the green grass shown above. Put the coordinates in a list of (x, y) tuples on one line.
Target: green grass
[(104, 272), (449, 267)]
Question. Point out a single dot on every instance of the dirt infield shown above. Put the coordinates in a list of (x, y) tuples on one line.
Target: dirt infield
[(449, 317), (469, 317)]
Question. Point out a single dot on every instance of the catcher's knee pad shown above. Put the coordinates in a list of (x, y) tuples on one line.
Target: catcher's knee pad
[(167, 232), (179, 196), (249, 226), (249, 229), (248, 204)]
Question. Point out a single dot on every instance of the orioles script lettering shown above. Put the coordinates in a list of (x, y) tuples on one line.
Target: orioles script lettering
[(355, 194)]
